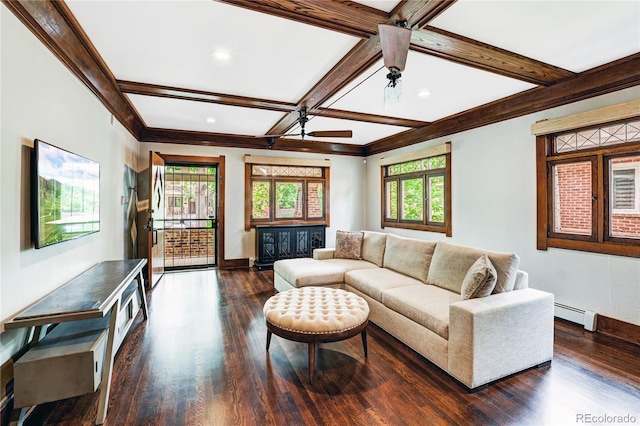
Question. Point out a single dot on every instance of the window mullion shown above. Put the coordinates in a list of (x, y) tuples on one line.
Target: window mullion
[(426, 195), (599, 203)]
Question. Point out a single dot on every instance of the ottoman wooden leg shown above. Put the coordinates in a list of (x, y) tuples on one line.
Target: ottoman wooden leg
[(364, 341), (312, 360), (268, 339)]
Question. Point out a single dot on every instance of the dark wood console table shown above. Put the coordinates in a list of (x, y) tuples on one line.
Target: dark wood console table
[(287, 242), (93, 294)]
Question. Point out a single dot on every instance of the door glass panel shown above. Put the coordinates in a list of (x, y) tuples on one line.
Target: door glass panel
[(191, 216)]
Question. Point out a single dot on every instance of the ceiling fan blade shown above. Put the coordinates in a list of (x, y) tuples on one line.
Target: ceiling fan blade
[(394, 41), (277, 136), (331, 134)]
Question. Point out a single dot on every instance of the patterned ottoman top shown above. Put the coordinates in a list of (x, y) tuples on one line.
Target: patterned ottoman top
[(316, 310)]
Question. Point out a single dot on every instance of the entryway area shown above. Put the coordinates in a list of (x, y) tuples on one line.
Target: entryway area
[(191, 216)]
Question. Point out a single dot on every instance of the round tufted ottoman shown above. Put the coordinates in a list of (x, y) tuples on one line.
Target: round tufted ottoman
[(316, 315)]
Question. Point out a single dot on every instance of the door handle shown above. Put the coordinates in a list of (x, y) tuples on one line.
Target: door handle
[(154, 239)]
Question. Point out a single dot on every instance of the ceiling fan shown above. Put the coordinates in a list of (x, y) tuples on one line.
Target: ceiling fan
[(302, 121), (394, 40)]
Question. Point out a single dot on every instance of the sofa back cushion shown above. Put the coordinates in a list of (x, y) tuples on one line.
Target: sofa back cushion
[(409, 256), (373, 247), (451, 263)]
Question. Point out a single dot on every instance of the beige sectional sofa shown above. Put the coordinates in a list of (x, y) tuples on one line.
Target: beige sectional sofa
[(414, 287)]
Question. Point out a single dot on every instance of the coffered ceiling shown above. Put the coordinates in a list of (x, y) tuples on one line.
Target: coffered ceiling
[(227, 72)]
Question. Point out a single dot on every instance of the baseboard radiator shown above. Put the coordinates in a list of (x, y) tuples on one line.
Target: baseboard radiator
[(585, 318)]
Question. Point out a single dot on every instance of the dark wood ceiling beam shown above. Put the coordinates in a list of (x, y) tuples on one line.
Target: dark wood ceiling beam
[(202, 96), (419, 13), (56, 27), (361, 57), (349, 18), (247, 142), (245, 102), (367, 118), (608, 78), (462, 50)]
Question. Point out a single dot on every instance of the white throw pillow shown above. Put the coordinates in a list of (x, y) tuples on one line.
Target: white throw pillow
[(480, 279)]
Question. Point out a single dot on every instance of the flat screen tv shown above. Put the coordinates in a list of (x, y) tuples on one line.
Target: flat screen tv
[(65, 195)]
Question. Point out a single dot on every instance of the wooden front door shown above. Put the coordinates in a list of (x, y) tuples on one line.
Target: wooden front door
[(156, 218)]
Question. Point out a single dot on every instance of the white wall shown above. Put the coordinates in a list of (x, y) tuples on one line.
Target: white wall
[(42, 99), (347, 190), (494, 207)]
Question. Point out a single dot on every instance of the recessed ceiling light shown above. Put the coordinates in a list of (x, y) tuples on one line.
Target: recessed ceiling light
[(424, 93), (211, 120), (221, 54)]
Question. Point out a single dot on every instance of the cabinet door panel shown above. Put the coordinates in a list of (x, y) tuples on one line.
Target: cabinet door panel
[(268, 246), (285, 245), (303, 248)]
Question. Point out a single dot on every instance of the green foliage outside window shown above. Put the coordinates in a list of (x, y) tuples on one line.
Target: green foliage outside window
[(414, 194), (260, 200), (392, 196), (286, 194), (288, 199), (412, 199), (436, 198)]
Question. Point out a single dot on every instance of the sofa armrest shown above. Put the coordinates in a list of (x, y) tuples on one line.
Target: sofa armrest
[(495, 336), (323, 253)]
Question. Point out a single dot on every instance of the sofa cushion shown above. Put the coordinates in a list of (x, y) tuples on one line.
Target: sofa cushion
[(409, 256), (305, 271), (480, 279), (373, 282), (349, 245), (451, 262), (425, 304), (373, 247)]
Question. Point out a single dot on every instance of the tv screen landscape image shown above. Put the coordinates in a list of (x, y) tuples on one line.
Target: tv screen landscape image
[(66, 197)]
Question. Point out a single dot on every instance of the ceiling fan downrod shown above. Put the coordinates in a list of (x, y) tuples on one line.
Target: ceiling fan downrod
[(393, 77), (303, 120)]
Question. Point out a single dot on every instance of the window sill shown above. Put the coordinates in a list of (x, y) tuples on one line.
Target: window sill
[(417, 227), (617, 249)]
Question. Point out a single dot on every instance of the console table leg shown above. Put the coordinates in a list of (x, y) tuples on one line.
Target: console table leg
[(107, 368), (143, 296)]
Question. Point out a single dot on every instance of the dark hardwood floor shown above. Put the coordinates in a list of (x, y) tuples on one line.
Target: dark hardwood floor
[(200, 360)]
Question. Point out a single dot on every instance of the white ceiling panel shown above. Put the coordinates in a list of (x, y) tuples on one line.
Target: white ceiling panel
[(280, 54), (167, 113), (170, 43), (363, 132), (384, 5), (574, 35), (451, 88)]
